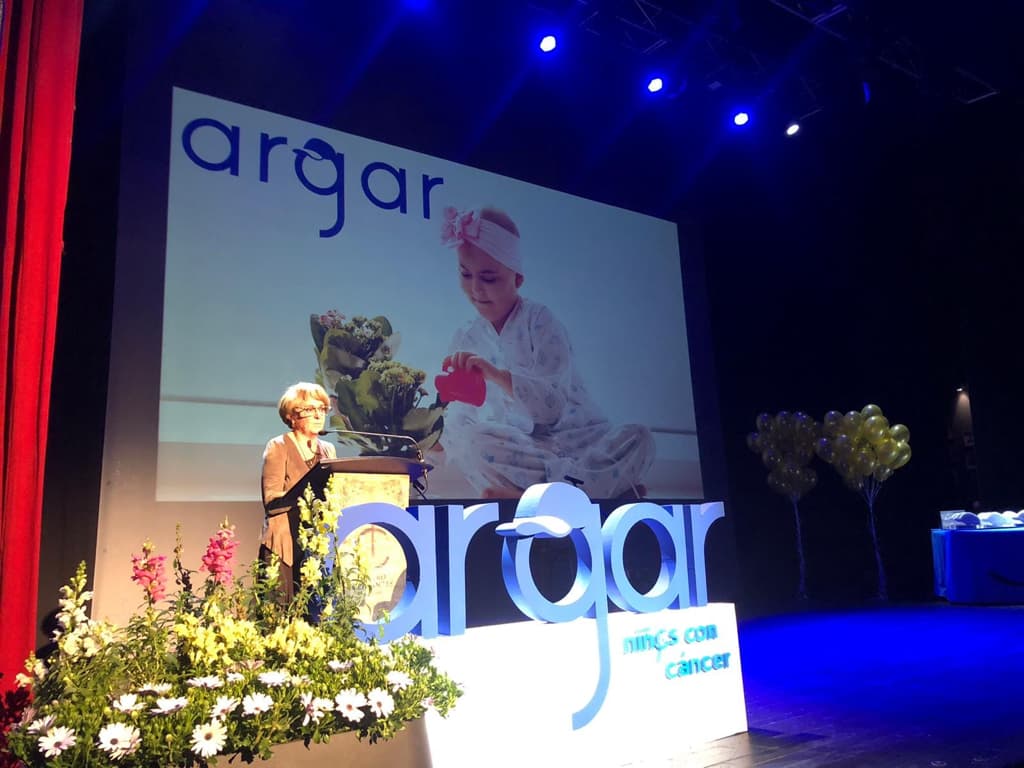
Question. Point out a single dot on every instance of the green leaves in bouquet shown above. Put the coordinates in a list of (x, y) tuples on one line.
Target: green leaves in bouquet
[(386, 399), (373, 392), (345, 348), (425, 425)]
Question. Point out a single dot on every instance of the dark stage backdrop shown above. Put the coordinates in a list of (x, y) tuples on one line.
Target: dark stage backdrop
[(273, 165), (873, 259)]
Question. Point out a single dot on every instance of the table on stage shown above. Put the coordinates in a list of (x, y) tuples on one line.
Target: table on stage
[(979, 565)]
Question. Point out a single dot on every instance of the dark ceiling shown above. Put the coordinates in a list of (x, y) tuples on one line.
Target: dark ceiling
[(948, 54)]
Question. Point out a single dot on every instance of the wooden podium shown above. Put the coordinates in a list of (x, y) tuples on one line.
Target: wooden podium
[(365, 479)]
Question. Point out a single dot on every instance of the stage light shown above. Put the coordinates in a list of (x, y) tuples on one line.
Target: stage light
[(548, 43), (741, 118), (655, 85), (793, 129)]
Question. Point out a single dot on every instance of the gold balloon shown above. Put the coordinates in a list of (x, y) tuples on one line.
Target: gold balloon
[(873, 434), (875, 429), (902, 457), (886, 451), (882, 473), (851, 422), (878, 420), (900, 433), (866, 463), (831, 423), (870, 410)]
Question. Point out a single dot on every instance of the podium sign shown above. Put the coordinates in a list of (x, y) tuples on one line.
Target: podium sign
[(362, 480), (676, 683)]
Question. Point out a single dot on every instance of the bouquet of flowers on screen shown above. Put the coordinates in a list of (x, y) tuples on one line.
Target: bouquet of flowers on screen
[(371, 391)]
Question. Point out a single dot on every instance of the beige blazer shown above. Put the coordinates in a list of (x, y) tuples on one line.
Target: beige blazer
[(283, 467)]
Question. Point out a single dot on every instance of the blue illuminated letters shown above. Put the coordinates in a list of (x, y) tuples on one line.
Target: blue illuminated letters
[(435, 542)]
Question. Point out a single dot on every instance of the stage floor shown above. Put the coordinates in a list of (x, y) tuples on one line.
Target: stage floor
[(900, 686)]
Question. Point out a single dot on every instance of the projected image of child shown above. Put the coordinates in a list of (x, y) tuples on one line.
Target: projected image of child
[(536, 422)]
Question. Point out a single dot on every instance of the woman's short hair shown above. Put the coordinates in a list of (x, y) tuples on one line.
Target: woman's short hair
[(297, 393)]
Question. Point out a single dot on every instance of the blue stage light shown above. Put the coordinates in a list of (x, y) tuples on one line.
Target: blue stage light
[(792, 129), (741, 118), (655, 84), (548, 43)]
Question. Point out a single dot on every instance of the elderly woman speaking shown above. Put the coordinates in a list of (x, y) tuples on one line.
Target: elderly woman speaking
[(286, 459)]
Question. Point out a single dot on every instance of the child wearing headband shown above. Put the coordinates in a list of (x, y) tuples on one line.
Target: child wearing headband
[(537, 422)]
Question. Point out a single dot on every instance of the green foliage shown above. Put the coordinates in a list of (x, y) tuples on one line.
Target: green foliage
[(225, 669), (373, 392)]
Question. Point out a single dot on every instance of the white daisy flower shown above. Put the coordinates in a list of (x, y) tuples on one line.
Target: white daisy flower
[(224, 706), (315, 708), (234, 677), (56, 741), (398, 681), (164, 705), (42, 725), (349, 703), (274, 678), (211, 681), (324, 705), (339, 666), (380, 701), (127, 702), (208, 738), (257, 703), (158, 688), (118, 740)]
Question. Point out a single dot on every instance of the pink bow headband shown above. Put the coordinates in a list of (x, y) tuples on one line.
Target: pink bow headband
[(467, 227)]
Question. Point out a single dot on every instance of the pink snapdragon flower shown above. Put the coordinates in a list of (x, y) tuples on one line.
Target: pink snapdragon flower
[(219, 554), (149, 573)]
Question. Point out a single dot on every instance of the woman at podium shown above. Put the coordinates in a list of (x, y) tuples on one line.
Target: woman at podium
[(303, 408)]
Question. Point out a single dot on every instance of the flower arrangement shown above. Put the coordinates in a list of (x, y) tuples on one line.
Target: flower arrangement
[(222, 667), (371, 391)]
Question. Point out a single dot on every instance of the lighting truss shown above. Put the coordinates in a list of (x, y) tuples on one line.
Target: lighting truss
[(899, 53)]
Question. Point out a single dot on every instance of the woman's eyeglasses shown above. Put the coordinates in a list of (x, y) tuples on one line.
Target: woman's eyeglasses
[(313, 410)]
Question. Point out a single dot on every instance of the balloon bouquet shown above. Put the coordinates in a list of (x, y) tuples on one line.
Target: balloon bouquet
[(865, 451), (786, 443)]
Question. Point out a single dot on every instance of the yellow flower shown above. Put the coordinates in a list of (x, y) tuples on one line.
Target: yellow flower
[(311, 570)]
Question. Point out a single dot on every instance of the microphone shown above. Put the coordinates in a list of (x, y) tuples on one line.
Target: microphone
[(385, 435)]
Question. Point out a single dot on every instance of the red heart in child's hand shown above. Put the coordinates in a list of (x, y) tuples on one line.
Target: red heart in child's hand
[(466, 385)]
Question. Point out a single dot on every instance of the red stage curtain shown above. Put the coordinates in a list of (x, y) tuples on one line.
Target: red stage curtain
[(38, 68)]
